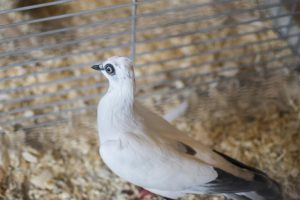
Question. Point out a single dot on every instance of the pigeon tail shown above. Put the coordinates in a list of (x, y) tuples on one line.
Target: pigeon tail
[(267, 189), (262, 187)]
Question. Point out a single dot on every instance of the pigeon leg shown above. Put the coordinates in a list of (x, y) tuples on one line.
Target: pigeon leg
[(144, 193)]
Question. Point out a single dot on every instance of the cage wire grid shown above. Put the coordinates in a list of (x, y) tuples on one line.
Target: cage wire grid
[(176, 45)]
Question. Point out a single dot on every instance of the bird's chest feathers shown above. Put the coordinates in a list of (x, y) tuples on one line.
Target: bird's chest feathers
[(124, 156), (115, 116)]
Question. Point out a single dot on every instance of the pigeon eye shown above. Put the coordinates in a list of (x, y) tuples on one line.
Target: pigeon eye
[(109, 68)]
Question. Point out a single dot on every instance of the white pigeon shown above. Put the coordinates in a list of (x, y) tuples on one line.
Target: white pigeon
[(146, 150)]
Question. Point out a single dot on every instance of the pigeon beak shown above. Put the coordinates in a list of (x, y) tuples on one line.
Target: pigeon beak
[(97, 67)]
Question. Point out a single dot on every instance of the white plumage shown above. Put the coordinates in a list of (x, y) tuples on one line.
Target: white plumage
[(146, 150)]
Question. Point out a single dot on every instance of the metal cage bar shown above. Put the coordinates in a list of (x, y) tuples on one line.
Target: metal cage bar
[(126, 37)]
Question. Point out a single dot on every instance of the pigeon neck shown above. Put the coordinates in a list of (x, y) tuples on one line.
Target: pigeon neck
[(122, 93), (114, 111)]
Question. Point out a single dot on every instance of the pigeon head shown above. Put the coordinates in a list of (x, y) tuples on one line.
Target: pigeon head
[(118, 70)]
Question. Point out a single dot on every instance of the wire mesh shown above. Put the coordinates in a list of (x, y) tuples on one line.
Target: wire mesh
[(177, 45)]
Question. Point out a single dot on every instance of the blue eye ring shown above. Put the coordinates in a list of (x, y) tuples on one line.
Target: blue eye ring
[(109, 68)]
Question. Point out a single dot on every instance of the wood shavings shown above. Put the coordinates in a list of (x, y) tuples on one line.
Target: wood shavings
[(2, 174), (29, 157), (41, 180)]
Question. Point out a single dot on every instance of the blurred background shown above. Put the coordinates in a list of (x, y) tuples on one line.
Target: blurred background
[(227, 72)]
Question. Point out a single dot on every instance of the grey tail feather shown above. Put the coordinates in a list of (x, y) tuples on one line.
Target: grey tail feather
[(236, 197), (265, 189), (263, 186), (270, 191)]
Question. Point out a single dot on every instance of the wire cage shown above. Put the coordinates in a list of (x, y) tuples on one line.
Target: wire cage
[(47, 48)]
